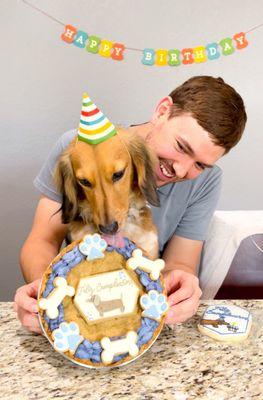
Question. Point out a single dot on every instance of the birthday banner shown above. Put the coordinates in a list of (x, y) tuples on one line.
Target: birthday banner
[(172, 57), (149, 56)]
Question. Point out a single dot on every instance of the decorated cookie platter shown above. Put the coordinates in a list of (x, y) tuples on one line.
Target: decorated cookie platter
[(102, 306)]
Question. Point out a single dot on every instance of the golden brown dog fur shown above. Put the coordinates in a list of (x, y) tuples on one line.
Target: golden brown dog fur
[(85, 208)]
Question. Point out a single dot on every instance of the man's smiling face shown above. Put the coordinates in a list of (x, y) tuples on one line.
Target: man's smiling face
[(183, 147)]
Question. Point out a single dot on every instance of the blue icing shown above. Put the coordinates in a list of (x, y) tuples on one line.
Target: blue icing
[(95, 253), (54, 323), (89, 351), (146, 330), (92, 350), (72, 341), (120, 357), (147, 282), (152, 311), (73, 326), (93, 246)]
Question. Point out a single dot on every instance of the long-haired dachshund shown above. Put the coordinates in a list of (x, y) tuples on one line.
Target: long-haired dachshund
[(105, 187)]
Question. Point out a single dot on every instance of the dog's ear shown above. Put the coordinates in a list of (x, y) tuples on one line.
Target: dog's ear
[(66, 183), (144, 175)]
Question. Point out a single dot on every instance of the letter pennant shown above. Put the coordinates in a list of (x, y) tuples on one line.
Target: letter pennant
[(93, 44), (159, 57)]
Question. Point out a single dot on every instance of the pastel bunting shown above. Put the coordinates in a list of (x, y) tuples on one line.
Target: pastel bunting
[(148, 56), (93, 44), (158, 57), (69, 33), (80, 39), (227, 46), (117, 51), (241, 41), (161, 57), (174, 57)]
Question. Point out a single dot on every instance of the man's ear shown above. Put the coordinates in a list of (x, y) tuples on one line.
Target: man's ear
[(162, 110), (143, 166)]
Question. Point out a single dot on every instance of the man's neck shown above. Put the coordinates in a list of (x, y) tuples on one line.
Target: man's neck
[(141, 130)]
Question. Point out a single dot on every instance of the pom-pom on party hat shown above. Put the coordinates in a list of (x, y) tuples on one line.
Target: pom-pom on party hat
[(94, 126)]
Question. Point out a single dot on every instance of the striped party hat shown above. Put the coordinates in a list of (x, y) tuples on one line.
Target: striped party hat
[(94, 127)]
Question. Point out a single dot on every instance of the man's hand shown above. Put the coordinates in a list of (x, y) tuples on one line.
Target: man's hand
[(183, 295), (25, 304)]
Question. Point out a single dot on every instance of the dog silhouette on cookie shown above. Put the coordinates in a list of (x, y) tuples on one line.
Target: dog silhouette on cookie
[(106, 305)]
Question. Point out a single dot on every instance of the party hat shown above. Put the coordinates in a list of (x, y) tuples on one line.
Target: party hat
[(94, 127)]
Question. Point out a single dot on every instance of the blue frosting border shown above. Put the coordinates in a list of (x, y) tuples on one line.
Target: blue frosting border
[(92, 350)]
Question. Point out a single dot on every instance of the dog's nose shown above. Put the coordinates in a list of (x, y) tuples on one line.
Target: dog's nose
[(109, 229)]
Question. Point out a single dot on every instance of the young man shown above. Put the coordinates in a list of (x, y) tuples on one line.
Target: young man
[(189, 131)]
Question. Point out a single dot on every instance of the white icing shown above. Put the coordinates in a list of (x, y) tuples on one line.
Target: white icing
[(120, 346), (51, 303), (152, 267), (105, 295)]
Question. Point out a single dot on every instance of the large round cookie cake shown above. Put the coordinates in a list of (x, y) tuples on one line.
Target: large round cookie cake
[(102, 306)]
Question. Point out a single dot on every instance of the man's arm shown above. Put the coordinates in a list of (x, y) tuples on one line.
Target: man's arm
[(181, 253), (44, 241), (181, 258), (41, 246)]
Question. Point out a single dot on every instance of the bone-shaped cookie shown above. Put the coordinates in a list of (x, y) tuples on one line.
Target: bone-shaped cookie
[(51, 303), (120, 346), (138, 261)]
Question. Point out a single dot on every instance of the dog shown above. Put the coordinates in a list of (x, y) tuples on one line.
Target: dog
[(105, 188)]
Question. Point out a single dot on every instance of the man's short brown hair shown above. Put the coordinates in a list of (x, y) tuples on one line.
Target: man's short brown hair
[(215, 105)]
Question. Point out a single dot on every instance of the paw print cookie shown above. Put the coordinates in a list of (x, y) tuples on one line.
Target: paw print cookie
[(154, 305), (67, 337), (93, 246)]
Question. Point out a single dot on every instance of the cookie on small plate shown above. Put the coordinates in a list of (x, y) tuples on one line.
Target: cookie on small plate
[(226, 323)]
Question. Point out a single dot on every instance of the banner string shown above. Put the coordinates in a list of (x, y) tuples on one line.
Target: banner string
[(128, 48), (43, 12)]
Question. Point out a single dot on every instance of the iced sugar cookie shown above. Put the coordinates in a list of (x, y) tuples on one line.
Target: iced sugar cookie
[(225, 322), (102, 306)]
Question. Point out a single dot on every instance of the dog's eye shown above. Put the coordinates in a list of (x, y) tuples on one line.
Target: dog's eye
[(85, 182), (118, 175)]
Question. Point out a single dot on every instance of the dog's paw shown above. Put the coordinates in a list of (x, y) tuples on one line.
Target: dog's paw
[(67, 337), (93, 246), (154, 305)]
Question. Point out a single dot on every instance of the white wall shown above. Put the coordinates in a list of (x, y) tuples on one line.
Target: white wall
[(42, 79)]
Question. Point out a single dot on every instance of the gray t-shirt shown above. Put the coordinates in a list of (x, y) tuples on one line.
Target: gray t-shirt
[(185, 208)]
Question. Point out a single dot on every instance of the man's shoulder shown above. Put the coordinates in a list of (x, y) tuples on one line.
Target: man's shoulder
[(67, 137), (206, 185), (210, 174)]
